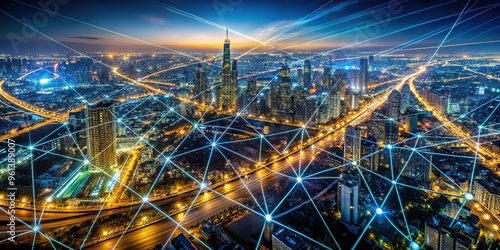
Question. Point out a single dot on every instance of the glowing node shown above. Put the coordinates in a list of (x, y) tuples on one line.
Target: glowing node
[(354, 163), (379, 211), (86, 162), (413, 149), (171, 109), (65, 123), (213, 144), (168, 159), (462, 116), (479, 127), (389, 146), (261, 136), (119, 120), (238, 114), (303, 126), (419, 136), (390, 119), (203, 185), (36, 228), (49, 199), (469, 196), (30, 147), (44, 81), (414, 246), (393, 182), (145, 199), (268, 217), (299, 179), (313, 146)]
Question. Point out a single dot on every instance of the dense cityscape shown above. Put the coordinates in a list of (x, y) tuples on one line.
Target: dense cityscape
[(271, 147)]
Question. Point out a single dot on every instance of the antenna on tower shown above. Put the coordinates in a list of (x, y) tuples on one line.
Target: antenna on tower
[(227, 33)]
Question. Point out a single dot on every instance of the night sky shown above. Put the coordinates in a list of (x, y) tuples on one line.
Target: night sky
[(293, 25)]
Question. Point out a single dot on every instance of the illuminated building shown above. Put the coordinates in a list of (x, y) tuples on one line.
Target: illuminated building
[(307, 74), (101, 138), (394, 105), (200, 86), (352, 144), (347, 198), (229, 85), (487, 195), (363, 75), (283, 239)]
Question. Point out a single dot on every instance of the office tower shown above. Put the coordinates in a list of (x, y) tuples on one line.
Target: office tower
[(307, 74), (285, 89), (268, 231), (444, 233), (363, 75), (101, 138), (310, 114), (200, 86), (252, 88), (394, 105), (229, 85), (405, 98), (487, 194), (370, 63), (411, 123), (284, 239), (369, 157), (347, 193), (353, 101), (300, 77), (352, 144), (274, 98), (418, 166), (326, 78)]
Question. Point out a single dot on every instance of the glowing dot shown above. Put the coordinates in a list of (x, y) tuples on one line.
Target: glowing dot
[(238, 114), (86, 162), (261, 136), (414, 246), (419, 136), (462, 116), (30, 147), (44, 81), (65, 123), (213, 144), (35, 228), (145, 199), (390, 119), (354, 163), (119, 120), (49, 199), (203, 185), (313, 146), (299, 179), (379, 211), (469, 196), (168, 159), (413, 149), (268, 217), (303, 126), (171, 109), (480, 127), (389, 146), (393, 182)]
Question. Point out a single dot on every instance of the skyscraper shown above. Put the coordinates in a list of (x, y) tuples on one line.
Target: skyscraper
[(370, 63), (347, 193), (307, 74), (394, 105), (101, 138), (200, 86), (326, 77), (363, 75), (285, 89), (229, 87), (405, 98), (352, 144)]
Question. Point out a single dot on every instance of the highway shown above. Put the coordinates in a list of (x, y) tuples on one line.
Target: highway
[(156, 232)]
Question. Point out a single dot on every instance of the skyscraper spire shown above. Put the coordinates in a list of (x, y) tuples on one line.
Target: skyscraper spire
[(227, 36)]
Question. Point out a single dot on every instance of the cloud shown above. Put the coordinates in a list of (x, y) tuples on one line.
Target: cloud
[(86, 37), (154, 20)]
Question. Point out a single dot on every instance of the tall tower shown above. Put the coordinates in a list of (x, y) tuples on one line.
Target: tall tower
[(101, 138), (405, 98), (363, 75), (285, 89), (352, 145), (307, 74), (200, 86), (347, 193), (227, 98), (394, 105), (326, 77)]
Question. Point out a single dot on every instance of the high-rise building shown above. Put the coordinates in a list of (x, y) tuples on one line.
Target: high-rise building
[(307, 74), (394, 105), (285, 89), (229, 85), (405, 98), (370, 63), (487, 194), (411, 123), (369, 157), (352, 145), (200, 86), (284, 239), (101, 136), (347, 193), (445, 233), (327, 76), (363, 75)]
